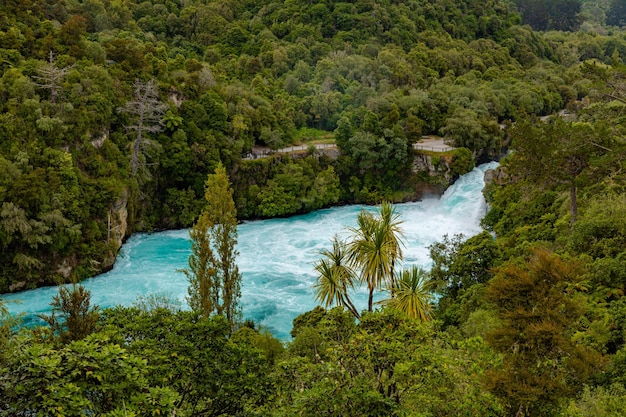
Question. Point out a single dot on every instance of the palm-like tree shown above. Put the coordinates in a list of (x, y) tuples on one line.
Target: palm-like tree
[(412, 295), (375, 248), (390, 224), (335, 278)]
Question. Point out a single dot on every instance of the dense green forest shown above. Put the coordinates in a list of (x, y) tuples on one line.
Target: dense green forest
[(114, 112)]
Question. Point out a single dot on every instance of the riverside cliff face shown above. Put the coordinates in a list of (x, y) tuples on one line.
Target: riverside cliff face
[(496, 176), (117, 229), (117, 225), (63, 269), (437, 168)]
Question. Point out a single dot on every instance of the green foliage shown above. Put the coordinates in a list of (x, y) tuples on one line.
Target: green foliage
[(213, 275), (601, 231), (377, 155), (385, 365), (260, 339), (92, 375), (558, 152), (193, 356), (298, 186), (462, 162), (538, 308), (412, 294), (234, 77), (598, 401), (466, 130), (459, 263), (550, 15), (616, 15), (460, 269), (144, 363), (77, 318), (521, 214)]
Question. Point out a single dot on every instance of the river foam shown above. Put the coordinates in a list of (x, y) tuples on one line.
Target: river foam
[(276, 257)]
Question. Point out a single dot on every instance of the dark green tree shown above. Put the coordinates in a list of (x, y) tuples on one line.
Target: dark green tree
[(94, 376), (557, 153), (213, 372), (460, 269), (214, 278), (76, 317), (375, 247), (459, 263), (616, 15), (465, 129), (384, 365), (335, 277), (550, 14), (539, 308)]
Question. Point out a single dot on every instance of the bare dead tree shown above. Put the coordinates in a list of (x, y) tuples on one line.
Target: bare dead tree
[(146, 110), (51, 77)]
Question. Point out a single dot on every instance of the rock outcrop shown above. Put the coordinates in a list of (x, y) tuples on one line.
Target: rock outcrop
[(496, 176), (117, 224)]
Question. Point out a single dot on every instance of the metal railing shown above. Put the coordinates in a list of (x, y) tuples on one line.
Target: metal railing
[(290, 150), (444, 148)]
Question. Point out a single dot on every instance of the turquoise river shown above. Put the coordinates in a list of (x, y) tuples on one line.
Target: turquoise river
[(275, 257)]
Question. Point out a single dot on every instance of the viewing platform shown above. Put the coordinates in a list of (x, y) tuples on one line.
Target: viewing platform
[(433, 143)]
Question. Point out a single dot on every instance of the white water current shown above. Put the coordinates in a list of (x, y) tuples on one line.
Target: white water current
[(275, 257)]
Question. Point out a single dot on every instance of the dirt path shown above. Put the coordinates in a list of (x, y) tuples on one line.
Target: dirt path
[(427, 143), (264, 151)]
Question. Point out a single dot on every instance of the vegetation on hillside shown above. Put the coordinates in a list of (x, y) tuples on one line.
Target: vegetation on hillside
[(84, 164), (213, 274), (531, 314)]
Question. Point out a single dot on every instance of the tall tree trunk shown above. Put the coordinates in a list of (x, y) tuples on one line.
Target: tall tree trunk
[(392, 278), (134, 159), (350, 306)]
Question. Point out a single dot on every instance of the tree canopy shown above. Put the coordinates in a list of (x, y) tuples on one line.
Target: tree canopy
[(530, 318), (114, 113), (213, 275)]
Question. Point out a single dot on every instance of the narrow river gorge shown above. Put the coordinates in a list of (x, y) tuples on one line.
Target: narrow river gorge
[(275, 256)]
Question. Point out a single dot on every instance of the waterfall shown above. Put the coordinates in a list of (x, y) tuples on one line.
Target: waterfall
[(276, 257)]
